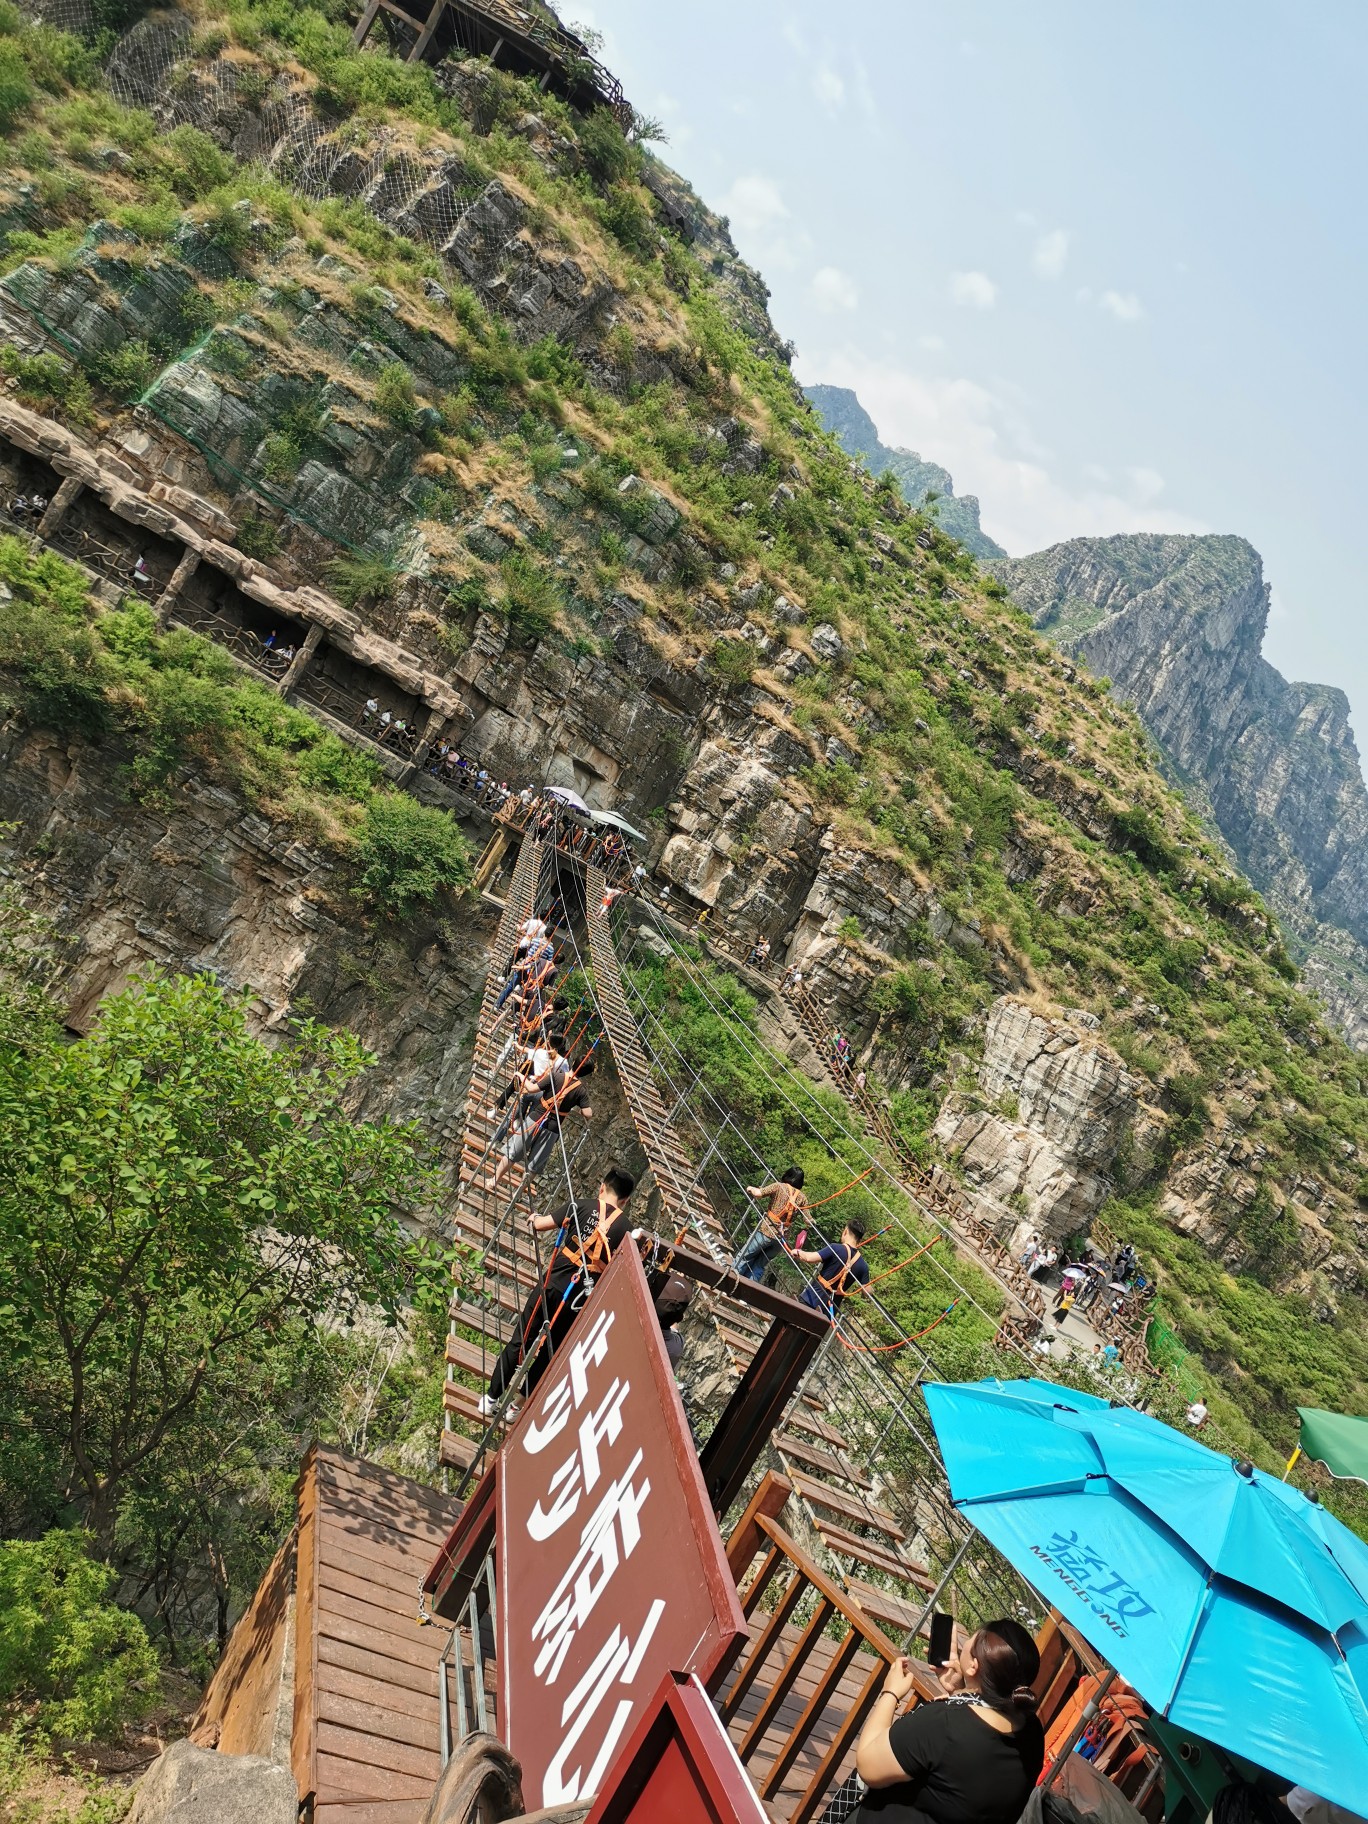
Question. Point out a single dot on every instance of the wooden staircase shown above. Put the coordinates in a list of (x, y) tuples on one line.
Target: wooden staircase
[(860, 1537)]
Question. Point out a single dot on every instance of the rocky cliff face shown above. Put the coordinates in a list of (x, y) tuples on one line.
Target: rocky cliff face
[(204, 884), (841, 412), (1054, 1109), (1177, 623)]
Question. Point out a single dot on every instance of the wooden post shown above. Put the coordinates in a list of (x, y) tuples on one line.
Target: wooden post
[(181, 575), (425, 37), (312, 640), (489, 862), (364, 23), (747, 1540), (57, 506)]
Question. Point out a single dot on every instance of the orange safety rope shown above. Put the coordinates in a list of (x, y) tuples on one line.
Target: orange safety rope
[(844, 1188), (885, 1348), (926, 1246)]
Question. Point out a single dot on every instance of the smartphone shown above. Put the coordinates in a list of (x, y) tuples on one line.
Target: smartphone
[(942, 1639)]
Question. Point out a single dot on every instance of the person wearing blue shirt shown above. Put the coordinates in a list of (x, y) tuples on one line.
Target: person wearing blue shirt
[(841, 1269)]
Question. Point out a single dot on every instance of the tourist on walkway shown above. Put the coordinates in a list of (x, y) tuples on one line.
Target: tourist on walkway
[(786, 1200), (1196, 1414), (534, 1129), (529, 969), (543, 1067), (841, 1270), (974, 1755), (587, 1237), (1043, 1262)]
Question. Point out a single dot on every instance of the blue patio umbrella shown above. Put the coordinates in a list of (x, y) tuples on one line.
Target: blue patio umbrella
[(1235, 1606)]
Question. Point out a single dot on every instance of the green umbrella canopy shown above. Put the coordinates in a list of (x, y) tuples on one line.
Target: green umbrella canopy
[(1336, 1440)]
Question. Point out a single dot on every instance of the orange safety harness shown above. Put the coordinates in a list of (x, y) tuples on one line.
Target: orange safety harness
[(789, 1206), (551, 1102), (589, 1254), (836, 1286)]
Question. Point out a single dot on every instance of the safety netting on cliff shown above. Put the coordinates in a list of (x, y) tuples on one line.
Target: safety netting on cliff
[(272, 121)]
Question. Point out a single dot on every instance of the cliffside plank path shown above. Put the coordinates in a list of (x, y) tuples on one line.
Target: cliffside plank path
[(848, 1522), (1014, 1334), (790, 1701)]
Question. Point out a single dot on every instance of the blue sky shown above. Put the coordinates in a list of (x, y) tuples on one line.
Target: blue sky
[(1107, 263)]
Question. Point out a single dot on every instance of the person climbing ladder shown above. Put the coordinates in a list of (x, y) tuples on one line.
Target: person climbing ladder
[(786, 1200), (587, 1237)]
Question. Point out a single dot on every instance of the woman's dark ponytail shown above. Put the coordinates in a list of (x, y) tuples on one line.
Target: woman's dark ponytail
[(1009, 1665)]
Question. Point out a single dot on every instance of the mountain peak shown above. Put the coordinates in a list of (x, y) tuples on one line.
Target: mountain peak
[(840, 411)]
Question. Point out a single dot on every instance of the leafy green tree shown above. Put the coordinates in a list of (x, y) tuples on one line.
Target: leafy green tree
[(409, 852), (79, 1665), (173, 1193)]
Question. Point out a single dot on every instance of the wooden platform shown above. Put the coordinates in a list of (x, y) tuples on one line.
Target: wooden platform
[(354, 1678), (366, 1723)]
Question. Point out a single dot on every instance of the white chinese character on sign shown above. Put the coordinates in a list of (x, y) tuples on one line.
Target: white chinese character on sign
[(580, 1473), (611, 1534), (571, 1391), (618, 1662)]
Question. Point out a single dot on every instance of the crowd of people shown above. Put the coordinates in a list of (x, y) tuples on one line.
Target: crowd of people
[(1104, 1289)]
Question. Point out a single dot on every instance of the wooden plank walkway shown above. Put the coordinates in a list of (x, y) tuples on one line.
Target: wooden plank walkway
[(684, 1201), (366, 1741)]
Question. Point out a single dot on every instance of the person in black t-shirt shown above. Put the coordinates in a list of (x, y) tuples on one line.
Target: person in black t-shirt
[(971, 1758), (588, 1235), (841, 1270)]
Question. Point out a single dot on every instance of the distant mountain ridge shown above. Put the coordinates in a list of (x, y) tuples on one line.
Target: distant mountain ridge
[(1177, 623), (841, 412)]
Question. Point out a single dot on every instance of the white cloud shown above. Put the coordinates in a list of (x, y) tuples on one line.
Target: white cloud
[(765, 230), (864, 91), (1051, 253), (983, 436), (1146, 484), (1024, 219), (834, 290), (933, 344), (1123, 305), (975, 289), (828, 87)]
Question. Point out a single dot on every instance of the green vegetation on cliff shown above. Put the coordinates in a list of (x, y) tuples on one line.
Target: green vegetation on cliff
[(174, 699)]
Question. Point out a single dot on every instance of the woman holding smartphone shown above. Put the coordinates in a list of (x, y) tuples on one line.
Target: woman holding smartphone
[(971, 1757)]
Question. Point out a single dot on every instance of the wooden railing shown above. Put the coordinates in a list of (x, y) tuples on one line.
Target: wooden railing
[(813, 1666)]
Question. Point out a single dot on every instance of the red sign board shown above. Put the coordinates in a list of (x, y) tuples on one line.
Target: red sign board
[(679, 1767), (611, 1569)]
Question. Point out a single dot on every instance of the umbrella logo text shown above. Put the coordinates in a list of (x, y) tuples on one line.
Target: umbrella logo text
[(1112, 1597)]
